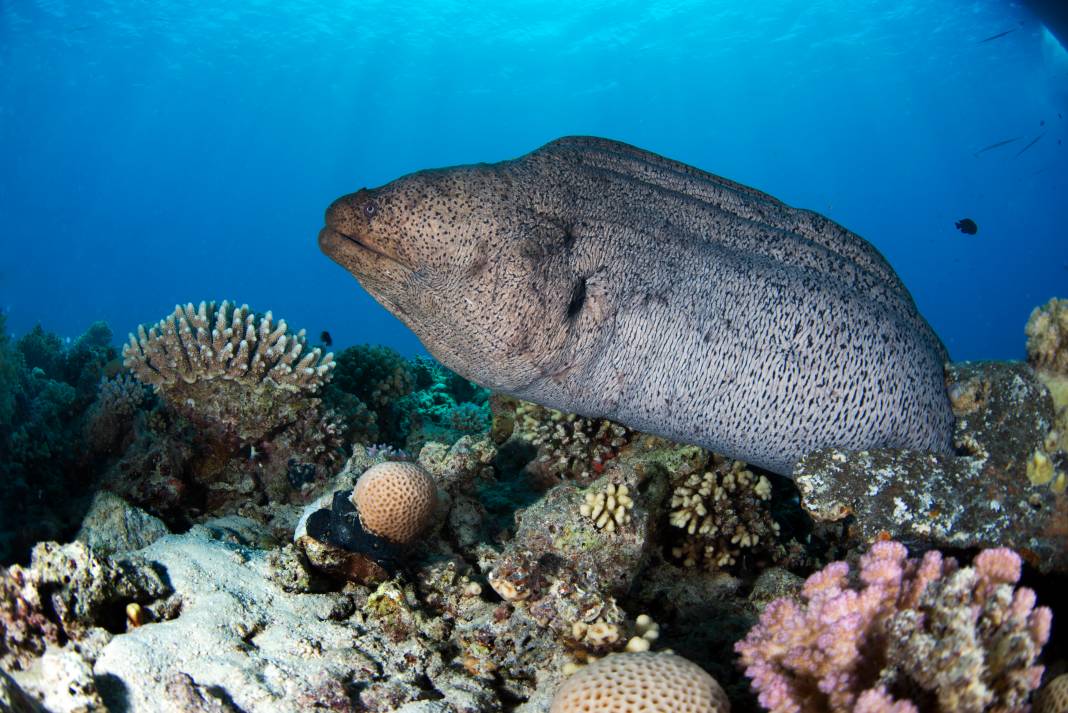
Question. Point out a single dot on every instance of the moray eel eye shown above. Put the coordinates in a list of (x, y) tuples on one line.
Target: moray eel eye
[(369, 208)]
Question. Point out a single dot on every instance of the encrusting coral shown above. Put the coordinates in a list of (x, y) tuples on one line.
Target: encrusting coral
[(722, 512), (633, 682), (906, 636)]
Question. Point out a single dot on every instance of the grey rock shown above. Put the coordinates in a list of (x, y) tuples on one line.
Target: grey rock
[(113, 525)]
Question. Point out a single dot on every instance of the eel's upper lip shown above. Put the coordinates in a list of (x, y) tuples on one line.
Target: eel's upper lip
[(329, 232)]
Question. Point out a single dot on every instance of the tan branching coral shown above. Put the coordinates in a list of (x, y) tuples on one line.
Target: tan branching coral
[(608, 508), (225, 366), (723, 511), (227, 342), (569, 446)]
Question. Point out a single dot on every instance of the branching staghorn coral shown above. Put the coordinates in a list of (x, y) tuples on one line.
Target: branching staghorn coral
[(225, 366), (904, 636), (228, 342), (570, 446), (723, 511)]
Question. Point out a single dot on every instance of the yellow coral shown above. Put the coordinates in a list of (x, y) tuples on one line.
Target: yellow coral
[(608, 508), (1047, 337)]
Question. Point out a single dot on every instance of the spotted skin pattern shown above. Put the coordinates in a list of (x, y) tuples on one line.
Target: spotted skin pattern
[(593, 277)]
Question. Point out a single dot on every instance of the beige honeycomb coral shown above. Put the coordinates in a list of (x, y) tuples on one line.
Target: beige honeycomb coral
[(647, 682), (1053, 698), (395, 501)]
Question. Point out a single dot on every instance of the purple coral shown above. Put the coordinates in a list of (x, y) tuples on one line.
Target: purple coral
[(963, 639)]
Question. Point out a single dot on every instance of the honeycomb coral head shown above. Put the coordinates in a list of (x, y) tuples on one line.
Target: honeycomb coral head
[(1053, 698), (648, 682), (395, 501)]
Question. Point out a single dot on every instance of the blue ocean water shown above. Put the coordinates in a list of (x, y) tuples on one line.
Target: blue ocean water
[(155, 153)]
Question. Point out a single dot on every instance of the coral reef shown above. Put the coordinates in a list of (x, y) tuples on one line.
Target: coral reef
[(633, 682), (367, 385), (982, 498), (46, 389), (917, 634), (238, 422), (560, 446)]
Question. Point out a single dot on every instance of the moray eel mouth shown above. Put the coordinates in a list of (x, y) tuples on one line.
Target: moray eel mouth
[(349, 243)]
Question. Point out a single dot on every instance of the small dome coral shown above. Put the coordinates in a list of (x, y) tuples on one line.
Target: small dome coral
[(395, 501), (631, 682)]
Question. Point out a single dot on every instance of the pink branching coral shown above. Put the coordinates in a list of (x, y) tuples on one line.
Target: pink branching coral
[(904, 636)]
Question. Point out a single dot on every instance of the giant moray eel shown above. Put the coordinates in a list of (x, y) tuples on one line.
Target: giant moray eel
[(597, 278)]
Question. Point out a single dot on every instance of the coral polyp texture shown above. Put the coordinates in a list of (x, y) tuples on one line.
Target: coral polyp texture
[(903, 635), (229, 366), (1053, 698), (641, 682), (395, 501)]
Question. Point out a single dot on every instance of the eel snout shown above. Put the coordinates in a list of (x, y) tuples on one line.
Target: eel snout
[(349, 234)]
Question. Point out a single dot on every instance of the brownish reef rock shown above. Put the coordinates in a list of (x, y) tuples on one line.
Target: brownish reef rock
[(1006, 487)]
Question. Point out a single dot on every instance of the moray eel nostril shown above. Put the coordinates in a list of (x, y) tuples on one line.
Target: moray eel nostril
[(594, 277)]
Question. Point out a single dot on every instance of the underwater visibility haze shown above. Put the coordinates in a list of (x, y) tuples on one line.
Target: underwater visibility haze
[(700, 357)]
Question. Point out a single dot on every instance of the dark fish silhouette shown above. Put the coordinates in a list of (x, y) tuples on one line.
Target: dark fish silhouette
[(996, 144), (967, 226), (998, 36), (1033, 142), (326, 339)]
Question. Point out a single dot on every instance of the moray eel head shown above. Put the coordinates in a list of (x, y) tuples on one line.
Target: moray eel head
[(490, 286)]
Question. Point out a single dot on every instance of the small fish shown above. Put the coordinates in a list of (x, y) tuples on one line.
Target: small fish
[(997, 144), (1033, 142), (326, 339), (967, 226), (997, 36)]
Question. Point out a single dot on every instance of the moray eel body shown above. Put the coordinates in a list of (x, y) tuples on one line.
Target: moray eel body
[(593, 277)]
